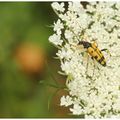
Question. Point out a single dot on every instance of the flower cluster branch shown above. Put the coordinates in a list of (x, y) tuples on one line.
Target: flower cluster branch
[(98, 95)]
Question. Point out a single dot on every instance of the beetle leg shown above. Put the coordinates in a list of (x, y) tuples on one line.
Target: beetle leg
[(107, 51), (87, 64), (104, 49), (93, 66)]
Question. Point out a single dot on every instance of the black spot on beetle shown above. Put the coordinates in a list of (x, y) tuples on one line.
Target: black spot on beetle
[(102, 58), (96, 57), (91, 51)]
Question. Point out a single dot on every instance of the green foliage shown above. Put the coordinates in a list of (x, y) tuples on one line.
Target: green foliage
[(20, 94)]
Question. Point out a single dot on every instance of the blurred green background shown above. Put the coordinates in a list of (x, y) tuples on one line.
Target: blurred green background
[(24, 51)]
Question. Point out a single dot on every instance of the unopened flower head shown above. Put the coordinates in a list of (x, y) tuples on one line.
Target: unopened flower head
[(94, 90)]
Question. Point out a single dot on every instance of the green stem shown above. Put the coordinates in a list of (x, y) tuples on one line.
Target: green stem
[(55, 86), (51, 97), (51, 74)]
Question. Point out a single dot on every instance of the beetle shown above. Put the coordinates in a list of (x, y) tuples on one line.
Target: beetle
[(94, 51)]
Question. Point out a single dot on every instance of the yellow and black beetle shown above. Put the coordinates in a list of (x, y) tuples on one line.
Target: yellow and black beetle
[(94, 51)]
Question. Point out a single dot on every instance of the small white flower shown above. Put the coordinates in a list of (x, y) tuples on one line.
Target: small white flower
[(66, 67), (75, 7), (64, 53), (58, 26), (58, 7), (68, 34), (55, 39), (66, 101), (115, 116), (76, 110)]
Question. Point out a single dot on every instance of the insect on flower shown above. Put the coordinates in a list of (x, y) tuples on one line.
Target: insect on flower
[(94, 51)]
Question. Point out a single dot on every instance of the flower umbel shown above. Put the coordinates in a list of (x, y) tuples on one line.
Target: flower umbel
[(94, 90)]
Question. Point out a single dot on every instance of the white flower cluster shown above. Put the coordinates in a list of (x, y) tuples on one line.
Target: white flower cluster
[(92, 95)]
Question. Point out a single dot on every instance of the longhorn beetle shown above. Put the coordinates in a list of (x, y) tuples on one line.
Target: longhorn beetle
[(94, 51)]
